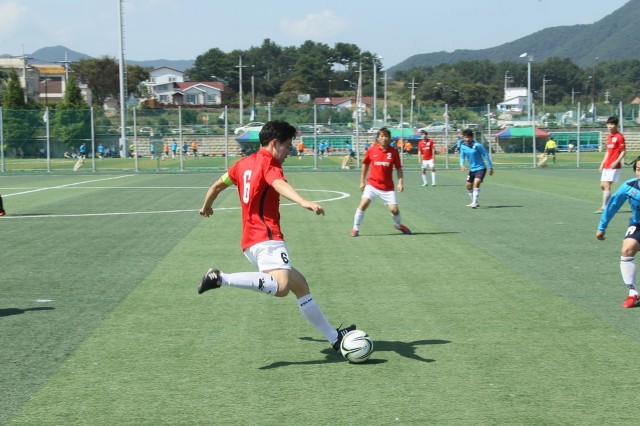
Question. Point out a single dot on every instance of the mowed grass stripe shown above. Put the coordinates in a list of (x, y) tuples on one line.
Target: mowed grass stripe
[(459, 339)]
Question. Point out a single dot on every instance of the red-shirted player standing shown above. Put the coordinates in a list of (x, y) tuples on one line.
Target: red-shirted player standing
[(426, 159), (260, 183), (612, 161), (381, 158)]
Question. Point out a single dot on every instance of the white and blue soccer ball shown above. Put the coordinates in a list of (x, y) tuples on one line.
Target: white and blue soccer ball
[(356, 346)]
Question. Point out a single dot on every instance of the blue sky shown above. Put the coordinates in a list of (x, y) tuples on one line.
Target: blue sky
[(170, 29)]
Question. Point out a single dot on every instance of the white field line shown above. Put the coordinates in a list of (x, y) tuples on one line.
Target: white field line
[(341, 195), (64, 186)]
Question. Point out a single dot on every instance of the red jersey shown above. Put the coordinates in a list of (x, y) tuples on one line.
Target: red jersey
[(426, 148), (381, 162), (615, 145), (254, 176)]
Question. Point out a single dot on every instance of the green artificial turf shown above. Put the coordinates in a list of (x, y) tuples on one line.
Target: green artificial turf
[(506, 314)]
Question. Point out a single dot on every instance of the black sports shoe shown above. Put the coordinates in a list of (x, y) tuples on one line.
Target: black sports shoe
[(341, 334), (210, 280)]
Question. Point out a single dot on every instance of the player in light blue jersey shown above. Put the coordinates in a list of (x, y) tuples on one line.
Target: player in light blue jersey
[(476, 155), (628, 191)]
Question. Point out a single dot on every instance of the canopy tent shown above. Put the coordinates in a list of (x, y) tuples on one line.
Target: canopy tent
[(521, 132), (520, 139), (249, 136)]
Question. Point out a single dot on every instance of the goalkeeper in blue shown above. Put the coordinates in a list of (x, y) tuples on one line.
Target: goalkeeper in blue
[(476, 155), (629, 191)]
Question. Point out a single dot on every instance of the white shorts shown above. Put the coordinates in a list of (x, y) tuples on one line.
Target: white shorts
[(428, 164), (610, 175), (388, 197), (268, 255)]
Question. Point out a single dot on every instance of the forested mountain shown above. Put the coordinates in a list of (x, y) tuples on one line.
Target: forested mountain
[(613, 38)]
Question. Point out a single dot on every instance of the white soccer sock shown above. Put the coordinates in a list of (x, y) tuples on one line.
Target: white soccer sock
[(357, 220), (470, 193), (628, 270), (433, 178), (256, 281), (605, 198), (311, 311), (476, 195), (397, 220), (424, 179)]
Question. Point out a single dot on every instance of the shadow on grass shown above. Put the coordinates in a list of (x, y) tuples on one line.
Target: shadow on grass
[(405, 349), (395, 234), (17, 311), (501, 207)]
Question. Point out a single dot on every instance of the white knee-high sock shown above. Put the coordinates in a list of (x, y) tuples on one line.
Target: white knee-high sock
[(605, 198), (256, 281), (470, 193), (628, 269), (357, 219), (433, 178), (476, 195), (312, 312), (397, 220), (424, 178)]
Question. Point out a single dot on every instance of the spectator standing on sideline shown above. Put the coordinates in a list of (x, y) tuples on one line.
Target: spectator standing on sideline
[(152, 151), (629, 191), (426, 158), (612, 161), (100, 151), (174, 148), (476, 155), (261, 182), (82, 150), (300, 149), (381, 158), (550, 148), (165, 150), (194, 148)]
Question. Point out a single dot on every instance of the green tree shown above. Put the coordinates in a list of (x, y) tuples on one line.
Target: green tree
[(19, 123), (72, 121)]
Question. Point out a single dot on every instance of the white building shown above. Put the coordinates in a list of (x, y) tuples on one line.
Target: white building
[(169, 86), (515, 101)]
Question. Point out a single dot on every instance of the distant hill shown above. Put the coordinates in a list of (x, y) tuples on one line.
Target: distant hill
[(614, 37), (55, 54)]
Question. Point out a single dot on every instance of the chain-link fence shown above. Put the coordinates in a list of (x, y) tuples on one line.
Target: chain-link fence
[(190, 139)]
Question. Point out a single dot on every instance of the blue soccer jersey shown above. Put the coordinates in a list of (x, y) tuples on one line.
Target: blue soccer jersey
[(476, 155), (628, 191)]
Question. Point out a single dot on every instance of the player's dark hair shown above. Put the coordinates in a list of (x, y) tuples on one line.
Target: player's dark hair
[(467, 132), (276, 129), (634, 163), (385, 131)]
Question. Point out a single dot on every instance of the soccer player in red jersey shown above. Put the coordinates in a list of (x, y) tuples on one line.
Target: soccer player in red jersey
[(612, 161), (261, 182), (426, 158), (381, 158)]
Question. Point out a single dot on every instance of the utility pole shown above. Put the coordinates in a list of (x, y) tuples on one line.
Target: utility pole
[(240, 66), (544, 85), (413, 87)]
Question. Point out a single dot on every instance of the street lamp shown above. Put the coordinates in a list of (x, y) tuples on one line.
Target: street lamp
[(529, 59), (573, 96), (544, 84)]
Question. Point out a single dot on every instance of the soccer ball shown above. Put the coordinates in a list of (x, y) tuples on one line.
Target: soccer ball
[(356, 346)]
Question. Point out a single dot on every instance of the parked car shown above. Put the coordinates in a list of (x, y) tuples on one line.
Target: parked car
[(145, 131), (437, 126), (254, 125)]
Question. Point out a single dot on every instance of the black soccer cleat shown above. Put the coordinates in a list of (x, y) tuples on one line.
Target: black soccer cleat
[(341, 333), (210, 280)]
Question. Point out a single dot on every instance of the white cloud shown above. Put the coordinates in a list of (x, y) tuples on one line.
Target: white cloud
[(10, 13), (315, 26)]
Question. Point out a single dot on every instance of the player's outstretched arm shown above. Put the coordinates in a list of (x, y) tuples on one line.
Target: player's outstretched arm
[(287, 191), (213, 192)]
